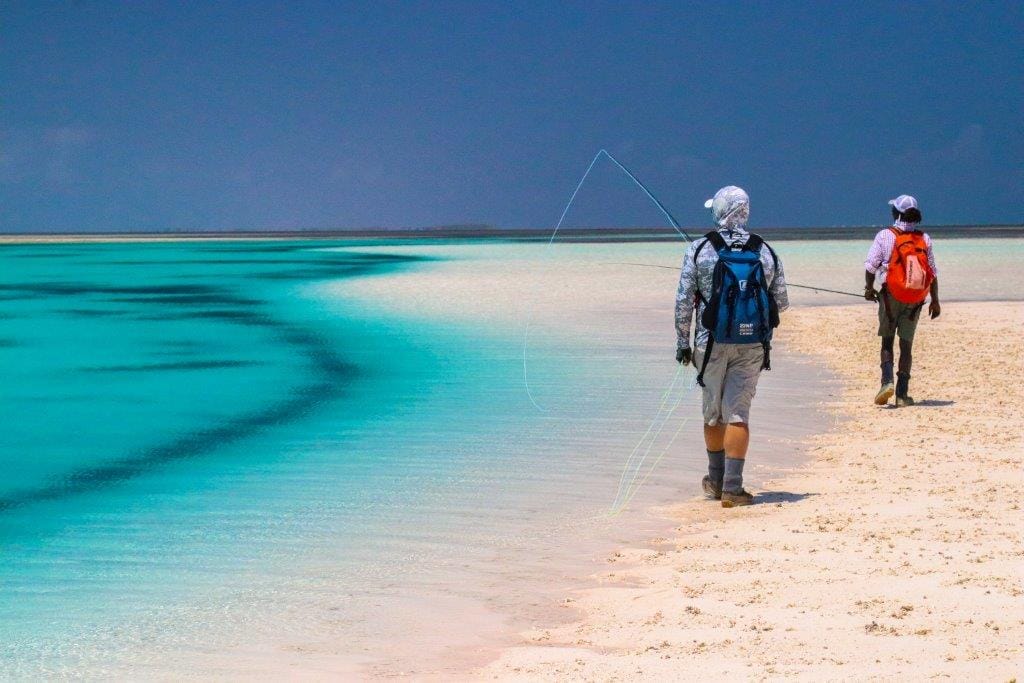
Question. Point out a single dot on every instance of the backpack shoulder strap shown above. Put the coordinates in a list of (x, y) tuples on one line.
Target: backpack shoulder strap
[(775, 258), (899, 238), (716, 240), (707, 357), (756, 242)]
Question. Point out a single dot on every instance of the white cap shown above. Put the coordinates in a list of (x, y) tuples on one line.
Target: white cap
[(903, 203), (726, 202)]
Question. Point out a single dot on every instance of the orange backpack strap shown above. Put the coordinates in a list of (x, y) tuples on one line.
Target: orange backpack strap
[(907, 245), (902, 238)]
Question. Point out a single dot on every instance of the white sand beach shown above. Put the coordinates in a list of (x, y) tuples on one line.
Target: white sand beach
[(338, 341), (897, 552), (887, 542)]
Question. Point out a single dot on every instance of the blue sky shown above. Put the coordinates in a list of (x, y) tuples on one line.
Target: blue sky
[(174, 116)]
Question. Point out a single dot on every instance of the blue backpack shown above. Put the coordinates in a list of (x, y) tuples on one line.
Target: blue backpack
[(740, 309)]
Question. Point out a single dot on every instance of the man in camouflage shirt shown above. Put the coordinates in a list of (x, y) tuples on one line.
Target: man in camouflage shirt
[(733, 369)]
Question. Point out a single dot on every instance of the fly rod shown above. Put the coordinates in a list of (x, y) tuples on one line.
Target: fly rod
[(788, 284)]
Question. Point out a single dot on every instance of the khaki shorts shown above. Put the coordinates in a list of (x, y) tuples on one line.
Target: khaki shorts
[(896, 317), (730, 382)]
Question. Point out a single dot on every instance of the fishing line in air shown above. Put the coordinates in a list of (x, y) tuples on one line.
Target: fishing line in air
[(626, 493), (623, 485), (558, 226), (631, 480), (788, 284)]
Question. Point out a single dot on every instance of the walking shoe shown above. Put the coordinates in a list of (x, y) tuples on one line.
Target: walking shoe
[(710, 488), (903, 401), (884, 394), (736, 499)]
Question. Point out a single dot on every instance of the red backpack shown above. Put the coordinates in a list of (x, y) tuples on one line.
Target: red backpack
[(909, 276)]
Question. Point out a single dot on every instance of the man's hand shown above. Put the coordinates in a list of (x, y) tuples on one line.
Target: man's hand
[(934, 309), (870, 294), (684, 355)]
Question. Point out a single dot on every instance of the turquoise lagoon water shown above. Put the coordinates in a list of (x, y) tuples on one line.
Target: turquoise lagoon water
[(212, 457), (204, 453)]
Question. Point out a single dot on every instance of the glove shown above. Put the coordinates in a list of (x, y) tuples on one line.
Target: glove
[(870, 294), (684, 355)]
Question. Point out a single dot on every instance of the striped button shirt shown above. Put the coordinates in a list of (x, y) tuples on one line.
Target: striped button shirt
[(881, 253)]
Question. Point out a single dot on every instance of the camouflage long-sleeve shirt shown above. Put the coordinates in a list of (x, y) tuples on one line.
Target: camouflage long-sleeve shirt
[(700, 274)]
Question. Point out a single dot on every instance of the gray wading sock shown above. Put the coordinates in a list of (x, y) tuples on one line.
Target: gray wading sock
[(716, 466), (733, 475)]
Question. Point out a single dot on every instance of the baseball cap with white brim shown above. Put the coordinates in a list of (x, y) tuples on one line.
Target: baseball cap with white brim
[(903, 203), (726, 200)]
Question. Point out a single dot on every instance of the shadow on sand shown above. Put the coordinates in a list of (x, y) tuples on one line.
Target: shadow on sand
[(767, 497), (926, 403)]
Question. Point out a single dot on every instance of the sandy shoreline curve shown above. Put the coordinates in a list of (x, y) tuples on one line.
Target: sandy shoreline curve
[(897, 551)]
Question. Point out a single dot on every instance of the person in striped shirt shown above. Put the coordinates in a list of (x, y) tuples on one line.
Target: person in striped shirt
[(894, 317)]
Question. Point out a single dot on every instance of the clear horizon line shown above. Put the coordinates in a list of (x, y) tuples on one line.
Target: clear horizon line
[(461, 227)]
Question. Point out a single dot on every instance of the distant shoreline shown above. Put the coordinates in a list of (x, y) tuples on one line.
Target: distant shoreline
[(514, 234)]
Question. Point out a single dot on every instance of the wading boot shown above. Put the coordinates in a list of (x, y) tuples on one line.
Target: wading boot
[(902, 389), (735, 499), (711, 489)]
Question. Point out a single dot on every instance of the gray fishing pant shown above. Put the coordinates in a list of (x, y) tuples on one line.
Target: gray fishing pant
[(730, 382)]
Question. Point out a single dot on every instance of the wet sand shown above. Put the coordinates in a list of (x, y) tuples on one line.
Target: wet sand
[(897, 551)]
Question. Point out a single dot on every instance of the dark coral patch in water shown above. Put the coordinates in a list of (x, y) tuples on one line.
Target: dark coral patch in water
[(174, 365)]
